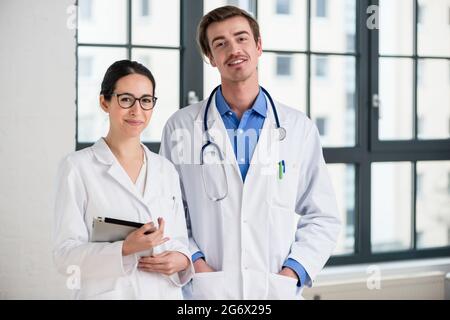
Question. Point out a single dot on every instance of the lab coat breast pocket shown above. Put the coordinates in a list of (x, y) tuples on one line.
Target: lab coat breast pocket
[(285, 185), (167, 210)]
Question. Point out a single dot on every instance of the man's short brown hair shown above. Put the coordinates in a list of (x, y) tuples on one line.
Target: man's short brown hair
[(218, 15)]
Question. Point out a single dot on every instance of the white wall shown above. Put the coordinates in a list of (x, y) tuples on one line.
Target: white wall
[(37, 128)]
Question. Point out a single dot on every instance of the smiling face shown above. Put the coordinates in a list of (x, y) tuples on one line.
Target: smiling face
[(233, 49), (128, 123)]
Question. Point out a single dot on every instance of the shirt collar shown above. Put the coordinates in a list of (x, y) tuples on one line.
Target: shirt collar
[(259, 106)]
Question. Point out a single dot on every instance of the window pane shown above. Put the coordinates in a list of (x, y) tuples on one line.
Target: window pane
[(164, 64), (396, 27), (391, 206), (93, 123), (150, 19), (433, 98), (433, 204), (333, 98), (102, 21), (333, 25), (288, 89), (283, 31), (343, 179), (433, 29), (395, 86)]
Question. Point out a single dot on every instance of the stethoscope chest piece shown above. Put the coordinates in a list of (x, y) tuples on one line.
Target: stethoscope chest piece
[(282, 133)]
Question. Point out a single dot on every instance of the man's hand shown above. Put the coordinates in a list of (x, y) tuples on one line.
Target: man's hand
[(168, 263), (200, 266), (288, 272)]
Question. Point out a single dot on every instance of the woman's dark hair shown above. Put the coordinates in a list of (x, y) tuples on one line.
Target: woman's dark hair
[(121, 69)]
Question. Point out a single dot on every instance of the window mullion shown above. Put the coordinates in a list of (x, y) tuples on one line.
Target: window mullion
[(191, 66), (415, 41), (130, 27), (308, 58)]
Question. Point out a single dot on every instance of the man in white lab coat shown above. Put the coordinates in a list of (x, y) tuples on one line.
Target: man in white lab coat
[(262, 215)]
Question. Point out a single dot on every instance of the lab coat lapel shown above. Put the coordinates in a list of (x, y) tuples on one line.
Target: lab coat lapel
[(152, 189)]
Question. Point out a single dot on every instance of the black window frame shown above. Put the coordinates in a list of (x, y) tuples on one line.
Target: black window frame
[(367, 149)]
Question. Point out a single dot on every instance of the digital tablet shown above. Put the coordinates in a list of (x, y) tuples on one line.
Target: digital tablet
[(106, 229)]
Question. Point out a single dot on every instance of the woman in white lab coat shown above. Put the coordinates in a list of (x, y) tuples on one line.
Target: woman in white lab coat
[(119, 177)]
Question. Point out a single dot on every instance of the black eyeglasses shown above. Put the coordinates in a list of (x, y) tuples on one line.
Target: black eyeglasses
[(126, 101)]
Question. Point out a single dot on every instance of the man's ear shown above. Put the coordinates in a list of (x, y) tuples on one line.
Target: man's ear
[(211, 60), (104, 104), (259, 46)]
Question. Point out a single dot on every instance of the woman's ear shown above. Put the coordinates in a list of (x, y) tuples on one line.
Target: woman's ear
[(104, 104)]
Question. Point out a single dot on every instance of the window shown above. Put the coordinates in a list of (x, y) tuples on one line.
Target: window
[(432, 208), (283, 7), (121, 35), (321, 124), (410, 65), (391, 206), (145, 8), (284, 65), (379, 98), (321, 8)]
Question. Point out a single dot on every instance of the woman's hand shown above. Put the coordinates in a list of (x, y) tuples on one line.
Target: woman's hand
[(168, 263), (144, 238)]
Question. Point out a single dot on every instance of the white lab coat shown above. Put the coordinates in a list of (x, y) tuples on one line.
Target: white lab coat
[(92, 183), (249, 235)]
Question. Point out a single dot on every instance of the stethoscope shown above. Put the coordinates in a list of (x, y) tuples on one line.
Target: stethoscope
[(210, 144)]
